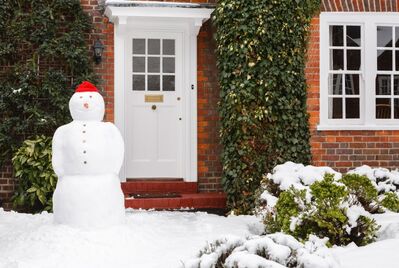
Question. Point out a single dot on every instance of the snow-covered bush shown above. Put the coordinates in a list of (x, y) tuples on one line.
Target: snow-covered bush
[(287, 201), (363, 189), (383, 179), (367, 185), (274, 250), (325, 209), (391, 201)]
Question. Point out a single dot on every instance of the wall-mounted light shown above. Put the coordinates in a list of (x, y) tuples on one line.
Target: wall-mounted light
[(98, 48)]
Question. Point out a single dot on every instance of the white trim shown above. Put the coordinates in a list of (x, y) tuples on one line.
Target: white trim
[(368, 22), (357, 127), (119, 85), (149, 3), (114, 13), (183, 20)]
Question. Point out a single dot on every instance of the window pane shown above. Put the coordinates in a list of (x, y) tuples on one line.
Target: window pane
[(336, 35), (383, 85), (384, 61), (352, 108), (396, 85), (138, 46), (353, 36), (168, 47), (383, 108), (153, 82), (353, 59), (397, 60), (139, 64), (335, 84), (397, 36), (154, 64), (168, 82), (396, 109), (168, 65), (337, 61), (352, 84), (335, 108), (138, 82), (384, 36), (154, 46)]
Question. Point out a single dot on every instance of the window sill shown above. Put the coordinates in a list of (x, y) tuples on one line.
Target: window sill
[(357, 127)]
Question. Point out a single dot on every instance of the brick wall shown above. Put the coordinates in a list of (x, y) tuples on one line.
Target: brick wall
[(342, 150), (104, 31), (7, 184), (209, 149)]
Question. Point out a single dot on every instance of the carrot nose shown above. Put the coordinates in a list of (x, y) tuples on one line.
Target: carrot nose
[(86, 105)]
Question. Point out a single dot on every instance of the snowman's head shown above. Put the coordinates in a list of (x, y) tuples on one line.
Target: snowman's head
[(87, 104)]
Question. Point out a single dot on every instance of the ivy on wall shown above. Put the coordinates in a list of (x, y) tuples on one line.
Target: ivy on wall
[(261, 56), (43, 55)]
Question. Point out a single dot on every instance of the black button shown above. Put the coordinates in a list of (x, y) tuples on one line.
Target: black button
[(84, 131), (85, 162), (84, 125), (84, 152)]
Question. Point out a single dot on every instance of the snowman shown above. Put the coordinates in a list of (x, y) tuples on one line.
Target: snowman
[(87, 157)]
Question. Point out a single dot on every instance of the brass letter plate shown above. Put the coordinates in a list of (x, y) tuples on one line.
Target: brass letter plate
[(153, 98)]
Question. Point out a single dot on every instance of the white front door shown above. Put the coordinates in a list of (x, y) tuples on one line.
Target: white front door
[(154, 106)]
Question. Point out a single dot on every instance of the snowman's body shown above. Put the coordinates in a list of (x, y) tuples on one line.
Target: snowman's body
[(87, 157)]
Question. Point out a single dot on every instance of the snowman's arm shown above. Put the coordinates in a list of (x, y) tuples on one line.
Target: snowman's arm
[(57, 152), (118, 147)]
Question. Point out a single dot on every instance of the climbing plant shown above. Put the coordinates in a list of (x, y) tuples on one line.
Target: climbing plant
[(43, 55), (261, 56)]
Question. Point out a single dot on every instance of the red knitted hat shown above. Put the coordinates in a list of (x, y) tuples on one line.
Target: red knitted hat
[(86, 86)]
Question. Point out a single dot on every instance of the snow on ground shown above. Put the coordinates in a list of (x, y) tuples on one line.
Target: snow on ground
[(383, 253), (156, 239), (149, 239)]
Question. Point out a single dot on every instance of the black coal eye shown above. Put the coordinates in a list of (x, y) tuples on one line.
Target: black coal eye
[(81, 97), (90, 96)]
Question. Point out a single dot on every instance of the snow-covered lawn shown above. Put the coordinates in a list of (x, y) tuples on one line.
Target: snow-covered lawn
[(155, 239), (149, 239)]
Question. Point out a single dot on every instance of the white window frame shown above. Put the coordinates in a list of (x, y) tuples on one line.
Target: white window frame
[(368, 69)]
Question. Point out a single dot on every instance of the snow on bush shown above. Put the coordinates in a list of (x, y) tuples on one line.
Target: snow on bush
[(383, 179), (272, 251), (369, 186), (297, 175), (303, 200), (326, 209)]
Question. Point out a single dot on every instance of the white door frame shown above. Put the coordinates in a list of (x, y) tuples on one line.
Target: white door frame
[(183, 20)]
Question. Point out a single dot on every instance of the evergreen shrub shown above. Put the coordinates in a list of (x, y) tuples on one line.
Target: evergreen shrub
[(391, 201), (323, 210), (363, 189), (34, 171)]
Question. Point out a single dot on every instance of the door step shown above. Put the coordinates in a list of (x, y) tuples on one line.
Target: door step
[(158, 186), (154, 195), (185, 201), (169, 195)]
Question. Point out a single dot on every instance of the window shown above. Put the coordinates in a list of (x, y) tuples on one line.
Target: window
[(359, 71), (153, 64)]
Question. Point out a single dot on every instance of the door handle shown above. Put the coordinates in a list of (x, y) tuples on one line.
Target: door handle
[(154, 107)]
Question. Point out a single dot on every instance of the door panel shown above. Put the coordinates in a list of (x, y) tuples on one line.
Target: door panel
[(153, 106)]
